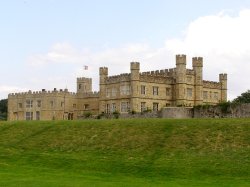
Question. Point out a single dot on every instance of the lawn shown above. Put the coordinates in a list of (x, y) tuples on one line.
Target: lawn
[(134, 152)]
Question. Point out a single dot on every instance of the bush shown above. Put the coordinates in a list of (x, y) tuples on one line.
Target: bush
[(116, 114), (87, 114), (224, 106)]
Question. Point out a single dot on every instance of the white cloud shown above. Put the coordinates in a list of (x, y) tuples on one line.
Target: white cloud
[(223, 40)]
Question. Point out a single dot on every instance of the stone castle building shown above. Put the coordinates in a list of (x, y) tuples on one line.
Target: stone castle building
[(135, 91)]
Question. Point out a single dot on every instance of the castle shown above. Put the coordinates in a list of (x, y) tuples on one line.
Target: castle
[(135, 91)]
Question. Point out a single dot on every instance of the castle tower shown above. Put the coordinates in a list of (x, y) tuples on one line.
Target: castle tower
[(84, 85), (223, 82), (180, 80), (197, 63), (103, 75), (135, 82)]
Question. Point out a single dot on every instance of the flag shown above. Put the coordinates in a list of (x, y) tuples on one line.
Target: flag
[(85, 67)]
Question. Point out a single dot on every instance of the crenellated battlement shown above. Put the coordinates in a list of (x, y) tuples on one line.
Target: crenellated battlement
[(211, 84), (135, 65), (197, 62), (88, 94), (223, 76), (164, 73), (103, 71), (118, 78), (43, 93), (84, 79), (180, 59), (190, 72)]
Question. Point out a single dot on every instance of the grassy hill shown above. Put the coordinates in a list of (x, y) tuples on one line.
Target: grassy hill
[(136, 152)]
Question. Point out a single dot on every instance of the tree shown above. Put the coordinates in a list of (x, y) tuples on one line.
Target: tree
[(3, 109), (243, 98)]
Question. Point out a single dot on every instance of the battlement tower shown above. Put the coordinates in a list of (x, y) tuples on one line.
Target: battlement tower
[(180, 79), (197, 63)]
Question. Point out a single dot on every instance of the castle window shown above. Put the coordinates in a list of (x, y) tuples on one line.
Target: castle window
[(143, 89), (107, 92), (29, 115), (125, 90), (205, 95), (37, 115), (74, 105), (167, 91), (107, 108), (155, 106), (113, 92), (143, 106), (189, 92), (80, 86), (62, 104), (189, 79), (216, 95), (51, 104), (113, 107), (155, 90), (125, 106), (39, 103), (86, 106), (20, 105), (29, 103)]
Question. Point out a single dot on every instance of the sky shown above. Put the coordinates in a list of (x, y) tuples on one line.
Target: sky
[(45, 44)]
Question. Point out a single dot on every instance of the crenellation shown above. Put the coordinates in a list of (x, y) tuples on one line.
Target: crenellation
[(211, 84), (190, 72), (118, 78)]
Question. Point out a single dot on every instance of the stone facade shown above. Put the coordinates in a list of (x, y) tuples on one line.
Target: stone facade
[(135, 91)]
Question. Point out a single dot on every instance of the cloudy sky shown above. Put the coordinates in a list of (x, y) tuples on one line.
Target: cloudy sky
[(46, 43)]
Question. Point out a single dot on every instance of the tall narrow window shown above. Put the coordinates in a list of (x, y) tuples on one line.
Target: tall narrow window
[(155, 90), (107, 108), (155, 106), (39, 103), (37, 115), (189, 92), (167, 91), (113, 107), (143, 89), (51, 104), (143, 106), (20, 105), (205, 95)]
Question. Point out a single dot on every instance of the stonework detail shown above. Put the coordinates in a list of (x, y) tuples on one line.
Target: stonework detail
[(128, 92)]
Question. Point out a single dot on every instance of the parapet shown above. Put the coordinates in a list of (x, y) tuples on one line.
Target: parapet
[(197, 61), (135, 65), (211, 84), (163, 73), (88, 94), (43, 93), (181, 59), (103, 71), (223, 76), (84, 79), (118, 78), (189, 72)]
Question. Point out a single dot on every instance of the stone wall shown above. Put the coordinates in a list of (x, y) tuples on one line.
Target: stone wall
[(177, 112), (230, 111)]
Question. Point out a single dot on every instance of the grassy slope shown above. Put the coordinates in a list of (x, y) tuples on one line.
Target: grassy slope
[(153, 152)]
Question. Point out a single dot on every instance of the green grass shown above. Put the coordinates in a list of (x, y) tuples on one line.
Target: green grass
[(136, 152)]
